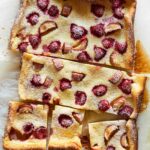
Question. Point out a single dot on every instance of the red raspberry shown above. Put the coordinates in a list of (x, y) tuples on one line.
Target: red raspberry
[(53, 11), (98, 30), (33, 18), (40, 133), (99, 53), (65, 84), (103, 105), (43, 4), (99, 90), (77, 32), (80, 98), (97, 10), (65, 121), (108, 42), (83, 57)]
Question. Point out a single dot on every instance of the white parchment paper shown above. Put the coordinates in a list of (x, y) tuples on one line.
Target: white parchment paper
[(9, 63)]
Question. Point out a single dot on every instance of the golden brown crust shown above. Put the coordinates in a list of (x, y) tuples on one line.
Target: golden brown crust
[(63, 148), (16, 25), (132, 134), (23, 73), (125, 138), (125, 61), (134, 99), (70, 135), (67, 145), (137, 94), (31, 144), (130, 34), (128, 58)]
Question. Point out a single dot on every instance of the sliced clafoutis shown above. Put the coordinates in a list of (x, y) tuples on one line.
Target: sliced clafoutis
[(96, 33), (66, 128), (113, 135), (93, 31), (81, 86), (26, 127)]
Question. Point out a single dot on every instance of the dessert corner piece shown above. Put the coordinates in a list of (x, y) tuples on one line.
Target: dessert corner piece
[(26, 127), (113, 135), (99, 32), (66, 128), (85, 86)]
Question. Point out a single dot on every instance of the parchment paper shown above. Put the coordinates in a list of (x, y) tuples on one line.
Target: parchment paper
[(9, 63)]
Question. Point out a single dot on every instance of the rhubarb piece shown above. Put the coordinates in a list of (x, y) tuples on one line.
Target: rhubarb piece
[(78, 117), (109, 20), (116, 77), (124, 141), (77, 76), (58, 64), (66, 48), (36, 80), (47, 83), (110, 131), (37, 66), (118, 103), (112, 27), (81, 45), (47, 27), (113, 56), (66, 10)]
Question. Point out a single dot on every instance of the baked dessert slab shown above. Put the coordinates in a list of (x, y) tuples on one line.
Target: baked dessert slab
[(66, 128), (96, 31), (26, 128), (113, 135), (81, 86)]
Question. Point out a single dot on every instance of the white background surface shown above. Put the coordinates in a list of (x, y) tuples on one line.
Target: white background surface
[(9, 63)]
